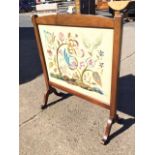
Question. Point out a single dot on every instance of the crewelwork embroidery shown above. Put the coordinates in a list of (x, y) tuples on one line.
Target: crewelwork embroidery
[(78, 64)]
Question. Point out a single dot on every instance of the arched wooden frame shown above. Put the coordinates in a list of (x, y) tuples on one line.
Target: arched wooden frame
[(91, 22)]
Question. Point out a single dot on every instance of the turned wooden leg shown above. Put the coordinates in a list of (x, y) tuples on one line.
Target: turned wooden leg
[(46, 95), (108, 128)]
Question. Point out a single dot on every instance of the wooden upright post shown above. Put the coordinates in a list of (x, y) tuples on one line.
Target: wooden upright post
[(77, 6), (117, 6)]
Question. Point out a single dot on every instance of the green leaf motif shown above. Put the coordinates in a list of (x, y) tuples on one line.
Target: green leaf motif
[(50, 64), (58, 42), (69, 35)]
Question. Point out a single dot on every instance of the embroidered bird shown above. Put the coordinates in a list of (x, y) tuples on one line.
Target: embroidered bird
[(91, 44), (70, 60), (97, 78)]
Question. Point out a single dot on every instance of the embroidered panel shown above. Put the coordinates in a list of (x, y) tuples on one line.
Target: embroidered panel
[(79, 58)]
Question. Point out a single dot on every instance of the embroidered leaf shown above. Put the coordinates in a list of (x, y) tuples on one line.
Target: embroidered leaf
[(50, 64), (69, 35), (53, 37), (75, 76), (97, 90), (54, 60), (50, 38), (86, 44), (58, 42)]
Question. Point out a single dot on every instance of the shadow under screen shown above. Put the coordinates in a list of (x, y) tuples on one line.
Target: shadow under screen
[(29, 62)]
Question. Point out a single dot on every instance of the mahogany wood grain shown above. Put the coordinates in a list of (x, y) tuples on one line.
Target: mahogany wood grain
[(115, 63), (76, 20), (40, 49)]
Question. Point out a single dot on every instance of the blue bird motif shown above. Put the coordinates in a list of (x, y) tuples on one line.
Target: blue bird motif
[(70, 60)]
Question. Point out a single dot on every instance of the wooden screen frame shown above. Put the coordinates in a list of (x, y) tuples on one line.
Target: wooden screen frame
[(91, 22)]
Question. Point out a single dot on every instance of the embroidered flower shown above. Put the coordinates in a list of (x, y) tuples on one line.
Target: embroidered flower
[(90, 62), (82, 64), (73, 64)]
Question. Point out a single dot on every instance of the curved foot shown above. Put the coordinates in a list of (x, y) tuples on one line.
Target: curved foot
[(107, 131), (43, 107), (46, 95), (104, 140)]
